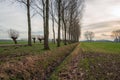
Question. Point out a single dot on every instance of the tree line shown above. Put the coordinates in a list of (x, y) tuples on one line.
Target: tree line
[(66, 14), (89, 35)]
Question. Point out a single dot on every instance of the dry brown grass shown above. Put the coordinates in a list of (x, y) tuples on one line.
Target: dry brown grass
[(37, 67), (69, 69)]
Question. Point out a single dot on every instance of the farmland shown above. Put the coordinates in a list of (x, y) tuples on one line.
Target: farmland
[(59, 40), (101, 61), (93, 61), (102, 47), (79, 61)]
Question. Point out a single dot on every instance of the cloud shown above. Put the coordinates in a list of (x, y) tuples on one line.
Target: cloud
[(106, 24), (101, 17), (100, 11), (102, 28)]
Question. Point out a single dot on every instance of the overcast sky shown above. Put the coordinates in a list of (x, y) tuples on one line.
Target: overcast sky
[(100, 16)]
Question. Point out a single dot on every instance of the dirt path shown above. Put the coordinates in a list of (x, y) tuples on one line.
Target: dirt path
[(69, 69), (73, 72)]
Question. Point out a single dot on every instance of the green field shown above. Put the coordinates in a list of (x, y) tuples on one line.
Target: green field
[(101, 47), (12, 51), (101, 60), (36, 48), (3, 42)]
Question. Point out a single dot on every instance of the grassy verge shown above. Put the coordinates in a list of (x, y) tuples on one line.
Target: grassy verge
[(34, 67), (19, 52), (35, 48)]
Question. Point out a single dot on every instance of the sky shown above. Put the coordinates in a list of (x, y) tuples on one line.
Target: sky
[(99, 16)]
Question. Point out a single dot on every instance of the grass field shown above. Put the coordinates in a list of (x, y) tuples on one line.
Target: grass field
[(17, 52), (101, 61), (3, 42), (101, 47), (36, 48)]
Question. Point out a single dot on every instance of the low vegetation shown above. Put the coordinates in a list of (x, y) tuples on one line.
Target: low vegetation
[(88, 61), (21, 50), (100, 61), (101, 47), (93, 61), (69, 70), (36, 67), (10, 42)]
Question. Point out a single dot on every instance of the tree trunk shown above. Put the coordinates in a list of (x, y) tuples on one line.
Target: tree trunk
[(59, 22), (40, 40), (46, 27), (29, 23), (33, 40), (15, 41), (53, 22), (69, 34), (65, 28), (65, 36), (62, 32), (53, 31)]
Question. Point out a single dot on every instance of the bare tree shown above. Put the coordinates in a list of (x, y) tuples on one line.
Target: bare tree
[(13, 34), (46, 28), (86, 35), (62, 10), (89, 35), (52, 12), (41, 7), (58, 9), (29, 23), (71, 13), (40, 38), (27, 4), (34, 38), (116, 35), (65, 18)]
